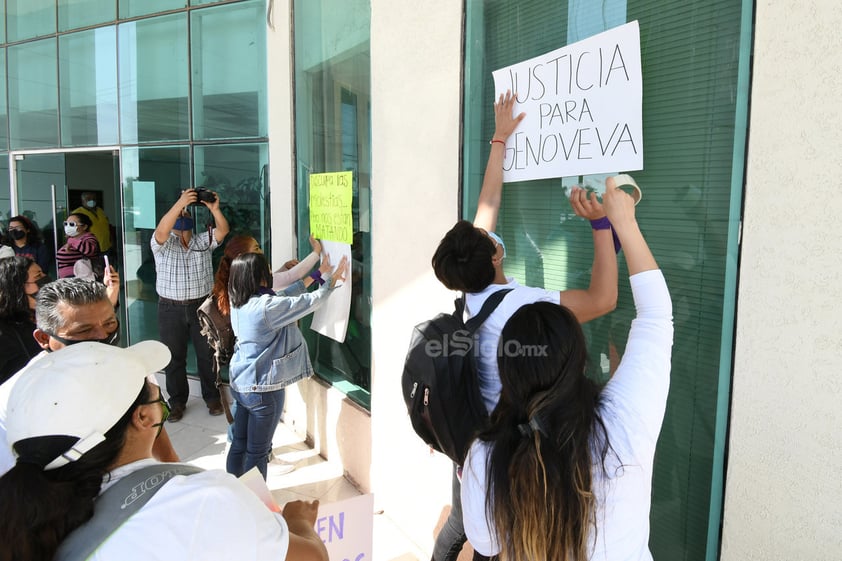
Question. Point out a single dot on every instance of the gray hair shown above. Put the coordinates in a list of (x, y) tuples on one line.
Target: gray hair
[(70, 291)]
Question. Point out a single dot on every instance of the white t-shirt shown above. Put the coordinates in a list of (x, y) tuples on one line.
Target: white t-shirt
[(489, 331), (633, 406), (209, 516)]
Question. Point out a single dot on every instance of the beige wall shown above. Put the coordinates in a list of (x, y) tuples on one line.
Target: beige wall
[(784, 477), (416, 74)]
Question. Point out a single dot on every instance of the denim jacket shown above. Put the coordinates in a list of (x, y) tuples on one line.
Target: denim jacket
[(270, 352)]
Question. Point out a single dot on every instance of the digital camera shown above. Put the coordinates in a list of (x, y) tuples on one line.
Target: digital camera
[(203, 195)]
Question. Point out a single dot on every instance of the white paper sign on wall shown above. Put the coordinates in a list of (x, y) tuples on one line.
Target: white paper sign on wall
[(583, 105)]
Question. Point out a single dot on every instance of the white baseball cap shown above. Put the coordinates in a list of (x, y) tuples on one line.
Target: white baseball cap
[(79, 391)]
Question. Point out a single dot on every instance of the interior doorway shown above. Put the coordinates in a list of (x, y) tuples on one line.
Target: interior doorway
[(48, 186)]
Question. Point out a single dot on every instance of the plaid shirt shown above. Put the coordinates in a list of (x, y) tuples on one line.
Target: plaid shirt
[(184, 274)]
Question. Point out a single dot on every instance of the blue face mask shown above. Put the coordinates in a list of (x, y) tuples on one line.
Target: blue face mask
[(499, 241), (183, 223)]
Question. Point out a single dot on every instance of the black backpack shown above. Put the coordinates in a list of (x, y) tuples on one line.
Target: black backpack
[(440, 383)]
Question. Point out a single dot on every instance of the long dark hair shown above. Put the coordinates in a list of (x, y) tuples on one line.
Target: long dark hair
[(235, 247), (40, 508), (546, 435), (249, 272), (14, 272)]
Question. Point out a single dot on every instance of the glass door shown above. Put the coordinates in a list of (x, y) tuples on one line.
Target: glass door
[(41, 196), (51, 185)]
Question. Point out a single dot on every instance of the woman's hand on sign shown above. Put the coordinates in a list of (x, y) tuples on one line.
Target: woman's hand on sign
[(341, 272), (586, 204), (504, 122), (315, 245)]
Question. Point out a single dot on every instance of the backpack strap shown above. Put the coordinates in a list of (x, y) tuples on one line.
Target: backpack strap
[(116, 505), (488, 306)]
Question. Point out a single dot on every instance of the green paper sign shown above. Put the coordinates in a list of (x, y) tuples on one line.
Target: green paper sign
[(330, 206)]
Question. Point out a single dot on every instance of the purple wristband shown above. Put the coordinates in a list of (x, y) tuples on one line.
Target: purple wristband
[(317, 276), (605, 224), (601, 223)]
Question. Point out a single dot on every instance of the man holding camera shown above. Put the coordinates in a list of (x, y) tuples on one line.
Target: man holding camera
[(184, 279)]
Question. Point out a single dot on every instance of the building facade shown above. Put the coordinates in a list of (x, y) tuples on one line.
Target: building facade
[(137, 100)]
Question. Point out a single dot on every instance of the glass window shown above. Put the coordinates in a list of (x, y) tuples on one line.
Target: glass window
[(4, 113), (73, 14), (88, 93), (238, 173), (333, 133), (33, 94), (133, 8), (202, 2), (152, 181), (2, 19), (692, 115), (26, 19), (229, 71), (154, 79)]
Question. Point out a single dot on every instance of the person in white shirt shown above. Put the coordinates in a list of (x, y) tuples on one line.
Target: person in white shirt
[(84, 418), (471, 258), (565, 469)]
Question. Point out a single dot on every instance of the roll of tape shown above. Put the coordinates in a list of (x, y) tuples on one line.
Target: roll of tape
[(622, 180)]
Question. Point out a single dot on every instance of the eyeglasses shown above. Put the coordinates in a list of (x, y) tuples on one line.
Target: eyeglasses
[(71, 223), (165, 408), (13, 229)]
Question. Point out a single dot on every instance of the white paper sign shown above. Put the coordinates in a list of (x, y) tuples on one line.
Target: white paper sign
[(331, 318), (346, 528), (583, 106)]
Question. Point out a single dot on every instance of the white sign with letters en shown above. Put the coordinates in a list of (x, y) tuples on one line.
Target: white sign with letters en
[(583, 106)]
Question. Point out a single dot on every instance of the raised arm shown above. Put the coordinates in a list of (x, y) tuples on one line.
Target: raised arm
[(619, 207), (222, 227), (283, 278), (600, 297), (488, 204), (167, 222)]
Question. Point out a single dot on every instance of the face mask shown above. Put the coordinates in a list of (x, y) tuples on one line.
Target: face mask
[(499, 241), (90, 204), (184, 223), (17, 234), (71, 230), (113, 339), (43, 281)]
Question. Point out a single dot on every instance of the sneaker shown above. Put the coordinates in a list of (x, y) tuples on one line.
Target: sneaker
[(215, 408), (176, 412), (277, 466)]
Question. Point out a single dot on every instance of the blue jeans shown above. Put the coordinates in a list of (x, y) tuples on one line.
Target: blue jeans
[(254, 426), (452, 536), (178, 323)]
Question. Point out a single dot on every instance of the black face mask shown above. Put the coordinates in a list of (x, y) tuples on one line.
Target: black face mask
[(17, 234), (113, 339), (43, 281)]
